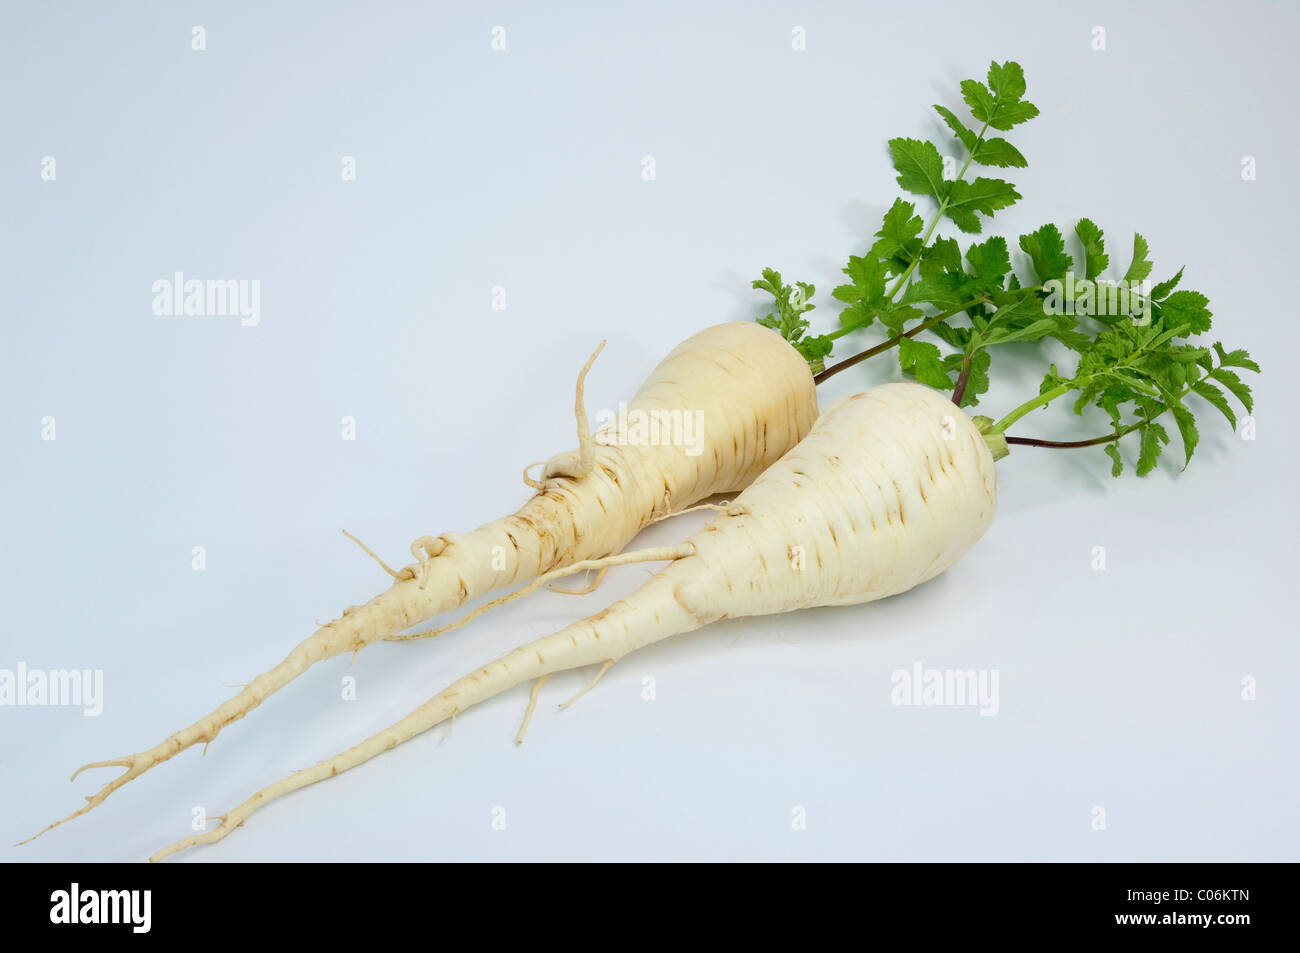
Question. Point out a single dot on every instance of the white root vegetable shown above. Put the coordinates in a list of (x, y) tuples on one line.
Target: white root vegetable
[(889, 489), (753, 397)]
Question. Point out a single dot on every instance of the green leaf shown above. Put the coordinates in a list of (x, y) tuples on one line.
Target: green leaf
[(920, 167), (945, 291), (1239, 388), (895, 318), (999, 153), (1007, 80), (1141, 265), (1013, 115), (1117, 462), (899, 236), (1007, 83), (989, 262), (857, 316), (868, 276), (1160, 291), (1237, 358), (1215, 396), (943, 254), (1187, 428), (978, 98), (815, 350), (1187, 308), (922, 360), (792, 302), (1046, 251), (1153, 439), (1094, 247), (982, 195), (1035, 331), (967, 137)]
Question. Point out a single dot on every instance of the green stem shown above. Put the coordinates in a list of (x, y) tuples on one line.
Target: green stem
[(1042, 400)]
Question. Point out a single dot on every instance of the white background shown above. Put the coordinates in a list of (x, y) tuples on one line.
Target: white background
[(1120, 689)]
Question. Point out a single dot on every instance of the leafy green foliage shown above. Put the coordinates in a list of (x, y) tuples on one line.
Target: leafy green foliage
[(1094, 247), (920, 167), (1136, 374), (1135, 362), (1046, 250), (922, 360), (1141, 266), (792, 303)]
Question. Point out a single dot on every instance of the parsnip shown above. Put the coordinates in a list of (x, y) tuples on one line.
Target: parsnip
[(889, 489), (754, 397)]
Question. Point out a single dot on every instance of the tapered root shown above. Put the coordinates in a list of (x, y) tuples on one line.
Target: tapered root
[(652, 555), (136, 765)]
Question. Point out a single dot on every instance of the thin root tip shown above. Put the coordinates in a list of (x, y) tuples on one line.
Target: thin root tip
[(50, 828), (111, 763)]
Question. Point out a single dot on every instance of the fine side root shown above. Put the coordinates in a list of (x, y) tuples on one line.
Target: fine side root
[(590, 685), (451, 723), (535, 484), (565, 464), (407, 573), (528, 712), (654, 554), (586, 451), (722, 507), (583, 591)]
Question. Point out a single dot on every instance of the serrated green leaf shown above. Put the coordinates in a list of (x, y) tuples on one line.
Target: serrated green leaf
[(1046, 250), (1007, 80), (1187, 428), (958, 128), (1161, 291), (958, 338), (1117, 462), (901, 223), (1034, 331), (1093, 241), (1140, 267), (1238, 358), (999, 153), (1215, 396), (922, 360), (1239, 388), (1187, 308), (856, 316), (978, 98), (1154, 437), (943, 254), (989, 262), (920, 167), (945, 291), (896, 318), (982, 195), (815, 350), (898, 240), (1013, 114)]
